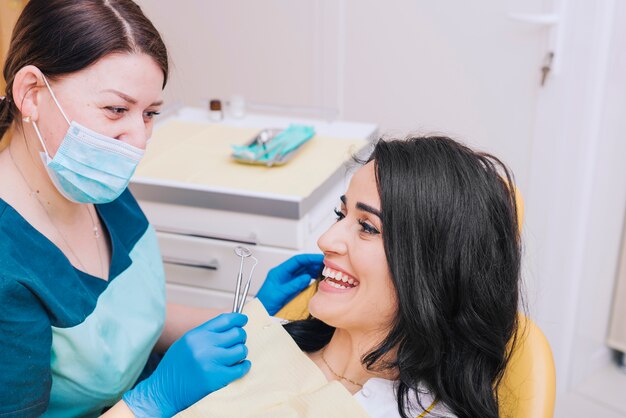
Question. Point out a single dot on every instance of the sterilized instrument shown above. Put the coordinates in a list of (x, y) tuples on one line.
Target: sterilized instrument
[(273, 146), (242, 294)]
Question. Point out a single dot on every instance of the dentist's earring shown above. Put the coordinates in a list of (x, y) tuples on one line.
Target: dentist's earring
[(26, 119)]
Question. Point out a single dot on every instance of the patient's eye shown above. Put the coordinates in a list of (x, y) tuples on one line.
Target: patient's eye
[(367, 228), (340, 215)]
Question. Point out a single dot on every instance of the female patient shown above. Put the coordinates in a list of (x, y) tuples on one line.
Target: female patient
[(419, 293)]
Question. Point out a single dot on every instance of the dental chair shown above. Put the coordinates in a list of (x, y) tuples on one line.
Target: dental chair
[(528, 387)]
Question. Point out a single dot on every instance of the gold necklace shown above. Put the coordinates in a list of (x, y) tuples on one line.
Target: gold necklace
[(96, 231), (337, 375)]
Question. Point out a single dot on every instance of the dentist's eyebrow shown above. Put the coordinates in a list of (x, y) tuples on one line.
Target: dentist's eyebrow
[(363, 207), (128, 98)]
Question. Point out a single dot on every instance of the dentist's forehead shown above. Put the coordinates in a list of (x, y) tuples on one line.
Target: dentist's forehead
[(137, 76)]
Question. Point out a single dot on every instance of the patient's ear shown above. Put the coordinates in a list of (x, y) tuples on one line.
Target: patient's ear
[(26, 91)]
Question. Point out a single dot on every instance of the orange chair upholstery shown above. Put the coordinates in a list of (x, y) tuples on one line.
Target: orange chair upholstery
[(298, 307), (528, 387)]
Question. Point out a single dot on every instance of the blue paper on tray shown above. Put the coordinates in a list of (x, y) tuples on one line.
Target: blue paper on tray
[(277, 150)]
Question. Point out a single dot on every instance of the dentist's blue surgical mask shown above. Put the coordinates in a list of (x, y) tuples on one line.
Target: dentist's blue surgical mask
[(89, 167)]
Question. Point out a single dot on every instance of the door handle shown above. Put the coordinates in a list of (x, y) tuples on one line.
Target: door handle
[(554, 23)]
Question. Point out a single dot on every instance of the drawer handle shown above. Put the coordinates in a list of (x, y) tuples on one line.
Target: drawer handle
[(251, 239), (211, 265)]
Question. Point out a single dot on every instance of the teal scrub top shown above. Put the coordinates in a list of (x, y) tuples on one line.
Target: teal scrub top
[(70, 343)]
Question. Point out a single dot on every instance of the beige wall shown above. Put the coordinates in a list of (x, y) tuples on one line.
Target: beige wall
[(9, 12)]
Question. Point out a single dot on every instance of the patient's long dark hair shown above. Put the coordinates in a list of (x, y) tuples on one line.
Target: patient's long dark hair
[(451, 238)]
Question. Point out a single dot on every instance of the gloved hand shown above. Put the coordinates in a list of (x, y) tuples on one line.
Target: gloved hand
[(203, 360), (286, 280)]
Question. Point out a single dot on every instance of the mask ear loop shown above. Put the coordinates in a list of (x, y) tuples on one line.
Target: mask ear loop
[(56, 101), (43, 144)]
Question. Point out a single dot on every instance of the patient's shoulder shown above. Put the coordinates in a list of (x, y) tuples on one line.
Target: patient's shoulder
[(378, 398), (280, 321)]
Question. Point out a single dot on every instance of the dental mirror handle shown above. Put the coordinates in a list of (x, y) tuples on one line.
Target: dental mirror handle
[(238, 288)]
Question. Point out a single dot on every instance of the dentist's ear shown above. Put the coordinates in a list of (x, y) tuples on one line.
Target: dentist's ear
[(26, 88)]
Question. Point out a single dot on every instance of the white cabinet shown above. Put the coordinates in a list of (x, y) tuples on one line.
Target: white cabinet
[(200, 222)]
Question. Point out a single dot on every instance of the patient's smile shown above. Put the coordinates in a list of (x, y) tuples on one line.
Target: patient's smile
[(338, 279)]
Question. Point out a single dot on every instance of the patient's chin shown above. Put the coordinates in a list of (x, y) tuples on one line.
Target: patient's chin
[(331, 312), (322, 309)]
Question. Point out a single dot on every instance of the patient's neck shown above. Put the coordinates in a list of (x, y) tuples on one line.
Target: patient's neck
[(342, 356)]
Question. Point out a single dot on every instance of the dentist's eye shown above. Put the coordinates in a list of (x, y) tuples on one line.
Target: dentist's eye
[(339, 214), (117, 111), (151, 114), (367, 228)]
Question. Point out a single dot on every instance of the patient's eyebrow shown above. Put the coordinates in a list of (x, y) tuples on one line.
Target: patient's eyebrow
[(364, 207), (368, 208)]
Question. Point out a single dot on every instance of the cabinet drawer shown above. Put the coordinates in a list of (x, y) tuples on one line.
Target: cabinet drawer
[(213, 264)]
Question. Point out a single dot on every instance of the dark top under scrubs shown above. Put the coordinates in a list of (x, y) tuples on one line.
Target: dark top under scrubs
[(70, 343)]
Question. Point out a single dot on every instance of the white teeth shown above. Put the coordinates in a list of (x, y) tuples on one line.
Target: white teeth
[(340, 277), (337, 285)]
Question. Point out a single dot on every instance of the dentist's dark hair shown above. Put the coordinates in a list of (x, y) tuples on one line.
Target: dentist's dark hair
[(64, 36), (452, 243)]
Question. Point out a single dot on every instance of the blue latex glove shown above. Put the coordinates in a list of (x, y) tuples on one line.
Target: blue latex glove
[(202, 361), (286, 280)]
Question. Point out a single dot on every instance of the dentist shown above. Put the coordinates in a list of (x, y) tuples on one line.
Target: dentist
[(82, 299)]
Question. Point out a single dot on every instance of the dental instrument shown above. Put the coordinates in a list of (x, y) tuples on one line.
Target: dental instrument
[(240, 296), (273, 147)]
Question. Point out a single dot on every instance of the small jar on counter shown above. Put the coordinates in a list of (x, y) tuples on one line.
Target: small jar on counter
[(215, 110)]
